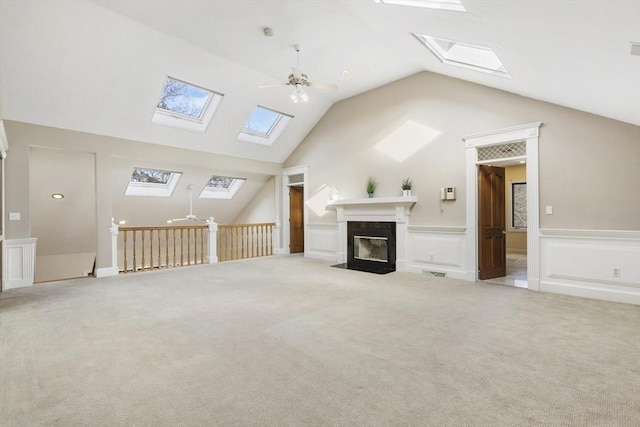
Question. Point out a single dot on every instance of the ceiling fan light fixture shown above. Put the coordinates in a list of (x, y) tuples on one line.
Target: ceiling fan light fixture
[(299, 94)]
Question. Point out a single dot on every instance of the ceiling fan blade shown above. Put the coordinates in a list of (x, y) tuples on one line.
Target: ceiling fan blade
[(296, 73), (178, 219), (322, 86), (274, 85)]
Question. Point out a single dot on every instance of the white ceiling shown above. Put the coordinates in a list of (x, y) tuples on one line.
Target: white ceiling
[(99, 66)]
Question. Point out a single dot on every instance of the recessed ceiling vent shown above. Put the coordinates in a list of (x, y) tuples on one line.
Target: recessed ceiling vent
[(635, 48)]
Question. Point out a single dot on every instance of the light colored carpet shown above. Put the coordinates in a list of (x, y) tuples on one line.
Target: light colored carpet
[(287, 341)]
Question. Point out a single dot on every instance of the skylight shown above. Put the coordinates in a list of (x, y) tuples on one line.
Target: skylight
[(466, 55), (152, 182), (264, 126), (222, 187), (455, 5), (186, 106)]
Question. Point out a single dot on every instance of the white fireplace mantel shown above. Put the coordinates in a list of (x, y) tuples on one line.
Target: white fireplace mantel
[(379, 209), (393, 209)]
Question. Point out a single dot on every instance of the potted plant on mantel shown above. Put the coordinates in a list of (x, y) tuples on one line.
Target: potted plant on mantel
[(406, 187), (371, 186)]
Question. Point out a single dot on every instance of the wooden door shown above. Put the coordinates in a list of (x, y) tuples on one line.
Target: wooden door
[(492, 242), (296, 220)]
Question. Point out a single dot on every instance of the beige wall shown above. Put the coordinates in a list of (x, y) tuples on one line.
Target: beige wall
[(65, 228), (261, 208), (589, 165), (516, 239), (114, 159)]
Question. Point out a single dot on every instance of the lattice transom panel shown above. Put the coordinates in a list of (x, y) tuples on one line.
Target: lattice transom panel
[(504, 151)]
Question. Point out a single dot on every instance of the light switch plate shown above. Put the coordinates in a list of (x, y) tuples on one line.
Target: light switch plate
[(14, 216), (549, 210)]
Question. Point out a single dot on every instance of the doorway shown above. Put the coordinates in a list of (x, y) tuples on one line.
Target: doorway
[(492, 232), (63, 213), (294, 177), (502, 224), (296, 219), (502, 144)]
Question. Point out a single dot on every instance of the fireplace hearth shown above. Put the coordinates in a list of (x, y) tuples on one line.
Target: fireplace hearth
[(371, 246)]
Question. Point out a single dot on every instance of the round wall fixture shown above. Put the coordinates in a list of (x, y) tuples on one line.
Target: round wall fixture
[(57, 196)]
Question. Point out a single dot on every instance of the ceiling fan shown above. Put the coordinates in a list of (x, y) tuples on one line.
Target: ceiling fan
[(299, 80), (190, 217)]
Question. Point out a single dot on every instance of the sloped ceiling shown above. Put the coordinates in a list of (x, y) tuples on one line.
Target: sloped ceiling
[(99, 66)]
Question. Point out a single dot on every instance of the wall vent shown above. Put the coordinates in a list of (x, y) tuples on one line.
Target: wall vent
[(435, 273)]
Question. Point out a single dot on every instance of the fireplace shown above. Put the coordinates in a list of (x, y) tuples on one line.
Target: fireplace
[(371, 246), (373, 217)]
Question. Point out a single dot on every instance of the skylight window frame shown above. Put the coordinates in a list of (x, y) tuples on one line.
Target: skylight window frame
[(277, 128), (431, 43), (210, 192), (200, 124), (449, 5), (152, 189)]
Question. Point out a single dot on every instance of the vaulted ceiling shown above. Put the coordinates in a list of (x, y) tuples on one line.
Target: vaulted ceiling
[(99, 66)]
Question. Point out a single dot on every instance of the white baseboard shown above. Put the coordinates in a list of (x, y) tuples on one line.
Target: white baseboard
[(18, 263), (106, 272), (437, 249), (572, 262), (322, 242), (583, 263)]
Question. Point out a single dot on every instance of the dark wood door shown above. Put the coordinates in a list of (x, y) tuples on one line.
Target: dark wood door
[(296, 220), (492, 244)]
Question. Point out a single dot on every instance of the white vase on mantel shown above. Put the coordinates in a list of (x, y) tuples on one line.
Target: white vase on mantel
[(406, 193)]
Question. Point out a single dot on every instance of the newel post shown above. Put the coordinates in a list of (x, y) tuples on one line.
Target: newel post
[(212, 242), (276, 236), (114, 245)]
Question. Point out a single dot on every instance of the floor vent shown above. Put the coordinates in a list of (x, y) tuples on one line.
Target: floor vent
[(435, 273)]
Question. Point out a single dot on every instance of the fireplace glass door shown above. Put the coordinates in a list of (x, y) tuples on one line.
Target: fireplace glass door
[(370, 248)]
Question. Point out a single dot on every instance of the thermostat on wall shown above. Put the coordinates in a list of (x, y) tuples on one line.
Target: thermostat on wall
[(448, 193)]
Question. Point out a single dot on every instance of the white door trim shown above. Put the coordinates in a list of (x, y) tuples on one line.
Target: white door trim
[(286, 233), (528, 133)]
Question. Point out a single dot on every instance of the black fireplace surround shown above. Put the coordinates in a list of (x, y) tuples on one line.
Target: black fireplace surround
[(381, 234)]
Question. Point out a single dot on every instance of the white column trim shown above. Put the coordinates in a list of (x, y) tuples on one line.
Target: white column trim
[(212, 242), (113, 270), (19, 257)]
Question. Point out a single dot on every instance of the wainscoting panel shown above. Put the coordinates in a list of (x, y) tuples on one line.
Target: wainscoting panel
[(591, 263), (19, 263), (439, 250), (322, 241)]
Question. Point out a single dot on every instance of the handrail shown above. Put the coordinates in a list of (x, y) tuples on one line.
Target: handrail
[(240, 241), (143, 247), (159, 247), (163, 227)]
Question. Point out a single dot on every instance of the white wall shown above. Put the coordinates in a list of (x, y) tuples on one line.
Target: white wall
[(114, 161), (65, 228), (582, 157), (516, 239), (261, 208)]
